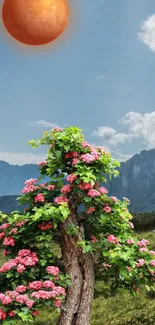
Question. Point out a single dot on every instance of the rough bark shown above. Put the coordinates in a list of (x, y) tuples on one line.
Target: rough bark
[(80, 295)]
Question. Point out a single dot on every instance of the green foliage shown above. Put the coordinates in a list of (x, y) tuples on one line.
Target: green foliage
[(144, 221)]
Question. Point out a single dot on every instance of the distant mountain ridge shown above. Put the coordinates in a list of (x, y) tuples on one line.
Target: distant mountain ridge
[(135, 181)]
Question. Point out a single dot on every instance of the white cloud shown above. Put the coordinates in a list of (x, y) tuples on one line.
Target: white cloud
[(140, 127), (22, 158), (42, 124), (147, 33)]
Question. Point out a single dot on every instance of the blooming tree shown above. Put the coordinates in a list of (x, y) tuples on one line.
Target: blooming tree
[(94, 232)]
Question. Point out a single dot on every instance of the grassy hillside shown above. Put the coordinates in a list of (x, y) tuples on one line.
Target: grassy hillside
[(123, 309)]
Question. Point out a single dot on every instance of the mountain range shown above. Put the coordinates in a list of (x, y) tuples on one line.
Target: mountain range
[(136, 181)]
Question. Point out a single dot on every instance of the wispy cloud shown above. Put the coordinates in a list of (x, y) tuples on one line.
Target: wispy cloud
[(100, 77), (147, 33), (22, 158), (42, 124)]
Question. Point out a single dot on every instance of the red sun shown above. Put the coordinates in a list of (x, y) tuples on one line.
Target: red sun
[(35, 22)]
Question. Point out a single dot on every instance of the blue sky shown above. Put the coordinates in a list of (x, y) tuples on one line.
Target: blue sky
[(100, 76)]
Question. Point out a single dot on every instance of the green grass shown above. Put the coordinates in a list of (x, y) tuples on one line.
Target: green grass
[(122, 309)]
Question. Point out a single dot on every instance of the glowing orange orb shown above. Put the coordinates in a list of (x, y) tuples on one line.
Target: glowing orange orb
[(35, 22)]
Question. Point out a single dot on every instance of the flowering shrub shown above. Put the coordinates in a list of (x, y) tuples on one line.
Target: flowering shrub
[(97, 236)]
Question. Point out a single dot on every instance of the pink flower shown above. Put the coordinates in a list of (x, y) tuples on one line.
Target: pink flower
[(5, 252), (45, 226), (4, 226), (85, 186), (2, 234), (128, 268), (43, 185), (143, 249), (21, 268), (42, 163), (130, 241), (152, 263), (36, 285), (143, 243), (41, 294), (152, 253), (114, 198), (14, 231), (103, 190), (57, 303), (93, 193), (53, 270), (126, 199), (39, 198), (140, 263), (35, 313), (107, 209), (58, 129), (90, 210), (29, 189), (21, 223), (51, 187), (66, 189), (93, 239), (48, 284), (113, 239), (60, 199), (88, 158), (131, 224), (8, 241), (31, 181), (75, 161), (11, 313), (22, 298), (71, 178), (2, 314), (21, 288), (29, 303)]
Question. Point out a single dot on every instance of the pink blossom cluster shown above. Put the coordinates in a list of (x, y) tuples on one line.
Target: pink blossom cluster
[(131, 225), (9, 241), (42, 163), (90, 210), (114, 198), (85, 144), (88, 158), (39, 198), (29, 189), (75, 161), (93, 193), (103, 190), (66, 189), (51, 187), (85, 186), (71, 178), (140, 263), (3, 314), (45, 226), (130, 241), (2, 234), (24, 259), (143, 243), (53, 270), (113, 239), (73, 154), (4, 226), (107, 208), (60, 199), (57, 129)]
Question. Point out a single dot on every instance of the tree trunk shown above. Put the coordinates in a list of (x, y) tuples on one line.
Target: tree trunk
[(80, 295)]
